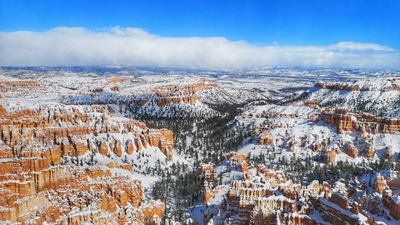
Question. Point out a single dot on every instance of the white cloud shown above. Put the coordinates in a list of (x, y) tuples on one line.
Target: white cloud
[(66, 46), (343, 46)]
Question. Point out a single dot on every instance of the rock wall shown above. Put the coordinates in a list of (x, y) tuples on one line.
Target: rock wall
[(390, 84), (37, 185), (272, 199), (177, 93), (59, 133), (345, 121)]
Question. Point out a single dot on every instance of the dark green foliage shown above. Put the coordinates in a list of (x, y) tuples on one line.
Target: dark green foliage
[(206, 138), (202, 139), (179, 189)]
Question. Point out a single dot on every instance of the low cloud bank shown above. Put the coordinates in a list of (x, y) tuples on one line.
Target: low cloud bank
[(72, 46)]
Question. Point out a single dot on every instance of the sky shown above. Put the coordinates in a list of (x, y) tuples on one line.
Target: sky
[(201, 33)]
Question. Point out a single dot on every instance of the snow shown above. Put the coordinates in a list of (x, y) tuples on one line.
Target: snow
[(336, 207), (291, 122), (396, 199), (318, 218), (220, 196), (376, 96)]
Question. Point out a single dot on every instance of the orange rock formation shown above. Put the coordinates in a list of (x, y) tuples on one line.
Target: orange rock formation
[(36, 183)]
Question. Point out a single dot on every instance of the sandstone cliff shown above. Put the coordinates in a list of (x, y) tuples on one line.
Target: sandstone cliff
[(49, 170)]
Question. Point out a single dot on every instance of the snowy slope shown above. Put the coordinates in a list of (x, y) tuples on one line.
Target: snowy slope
[(378, 96)]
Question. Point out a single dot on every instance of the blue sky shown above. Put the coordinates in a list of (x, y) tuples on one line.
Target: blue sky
[(280, 23)]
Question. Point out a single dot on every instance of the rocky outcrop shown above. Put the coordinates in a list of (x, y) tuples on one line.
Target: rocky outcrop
[(345, 121), (115, 79), (380, 184), (338, 86), (238, 160), (207, 172), (160, 96), (393, 180), (150, 213), (316, 147), (162, 139), (129, 147), (41, 178), (352, 151), (271, 199), (340, 200), (176, 93), (18, 83), (186, 89), (277, 176), (71, 132), (207, 194), (298, 220), (335, 215), (394, 207), (72, 193), (370, 151), (339, 119), (331, 156), (388, 84), (257, 202), (266, 139)]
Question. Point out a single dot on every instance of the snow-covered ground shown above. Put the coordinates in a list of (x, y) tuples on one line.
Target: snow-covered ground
[(289, 125)]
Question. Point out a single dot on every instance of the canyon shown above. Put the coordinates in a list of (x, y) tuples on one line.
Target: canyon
[(101, 147), (40, 185)]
